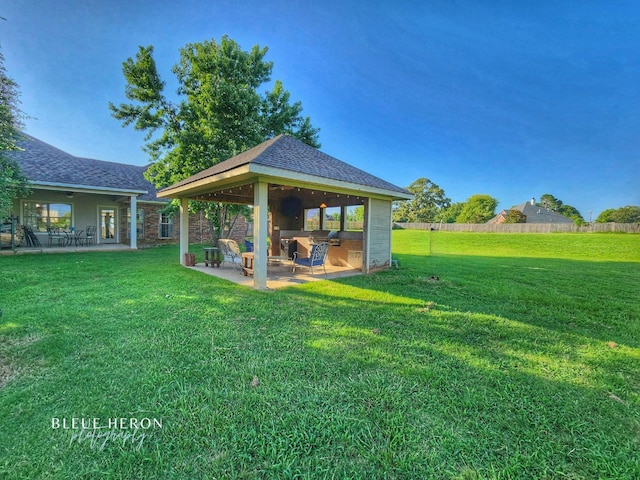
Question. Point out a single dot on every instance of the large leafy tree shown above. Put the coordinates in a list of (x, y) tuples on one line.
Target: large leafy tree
[(552, 203), (606, 216), (515, 216), (450, 213), (219, 113), (549, 201), (428, 200), (628, 214), (12, 181), (478, 209)]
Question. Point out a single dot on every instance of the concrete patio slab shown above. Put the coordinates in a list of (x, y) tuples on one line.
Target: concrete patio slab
[(278, 276), (105, 247)]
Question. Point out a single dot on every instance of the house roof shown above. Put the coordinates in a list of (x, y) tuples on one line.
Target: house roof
[(538, 214), (287, 157), (45, 165)]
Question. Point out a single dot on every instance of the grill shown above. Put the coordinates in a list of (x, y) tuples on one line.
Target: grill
[(288, 246)]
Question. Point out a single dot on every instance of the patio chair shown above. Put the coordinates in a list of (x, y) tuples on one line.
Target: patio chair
[(30, 237), (55, 235), (230, 252), (77, 238), (317, 257), (248, 246), (90, 236)]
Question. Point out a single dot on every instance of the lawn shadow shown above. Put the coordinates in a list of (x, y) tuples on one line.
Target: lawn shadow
[(591, 299), (485, 384)]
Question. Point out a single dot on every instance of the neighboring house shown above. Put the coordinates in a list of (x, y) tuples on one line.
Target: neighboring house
[(533, 213), (74, 192)]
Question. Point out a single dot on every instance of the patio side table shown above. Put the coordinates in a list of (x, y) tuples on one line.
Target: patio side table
[(212, 257), (247, 263)]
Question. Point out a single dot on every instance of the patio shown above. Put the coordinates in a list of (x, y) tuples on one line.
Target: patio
[(278, 276), (105, 247)]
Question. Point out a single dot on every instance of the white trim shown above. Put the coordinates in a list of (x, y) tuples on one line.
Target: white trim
[(84, 188), (338, 186), (169, 225), (243, 173), (203, 183), (116, 224)]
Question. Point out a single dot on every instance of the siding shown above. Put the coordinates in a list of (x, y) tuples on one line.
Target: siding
[(379, 254)]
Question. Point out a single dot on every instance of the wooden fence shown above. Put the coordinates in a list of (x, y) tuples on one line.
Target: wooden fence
[(522, 227)]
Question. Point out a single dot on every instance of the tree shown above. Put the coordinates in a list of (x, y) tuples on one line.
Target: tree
[(556, 205), (515, 216), (572, 213), (478, 209), (450, 213), (13, 183), (220, 113), (628, 214), (550, 202), (427, 202), (356, 214), (605, 216)]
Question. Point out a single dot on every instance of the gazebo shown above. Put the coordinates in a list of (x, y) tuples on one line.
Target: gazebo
[(292, 187)]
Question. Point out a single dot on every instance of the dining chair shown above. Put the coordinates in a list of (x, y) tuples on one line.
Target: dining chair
[(90, 236)]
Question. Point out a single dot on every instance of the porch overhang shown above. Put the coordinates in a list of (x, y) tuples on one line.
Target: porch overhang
[(75, 188), (213, 188)]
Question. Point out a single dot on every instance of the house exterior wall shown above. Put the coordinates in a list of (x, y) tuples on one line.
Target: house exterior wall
[(84, 208), (199, 229), (85, 212), (379, 233), (150, 234)]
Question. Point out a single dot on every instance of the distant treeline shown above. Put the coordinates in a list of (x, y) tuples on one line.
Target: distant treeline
[(523, 227)]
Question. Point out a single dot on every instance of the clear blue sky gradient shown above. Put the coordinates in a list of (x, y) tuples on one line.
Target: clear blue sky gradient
[(512, 99)]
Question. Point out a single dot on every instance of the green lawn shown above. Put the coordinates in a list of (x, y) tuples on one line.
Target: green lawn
[(493, 357)]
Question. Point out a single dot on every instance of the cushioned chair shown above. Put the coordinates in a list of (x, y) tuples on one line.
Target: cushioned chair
[(248, 246), (317, 257), (230, 252)]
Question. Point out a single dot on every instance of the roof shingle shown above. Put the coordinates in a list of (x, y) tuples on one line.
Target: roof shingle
[(41, 162), (288, 153), (538, 214)]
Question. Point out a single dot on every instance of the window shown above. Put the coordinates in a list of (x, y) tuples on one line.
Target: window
[(331, 218), (311, 219), (41, 216), (166, 225), (355, 217), (139, 223)]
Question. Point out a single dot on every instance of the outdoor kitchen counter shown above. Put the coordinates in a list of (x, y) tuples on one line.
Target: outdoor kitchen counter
[(347, 251)]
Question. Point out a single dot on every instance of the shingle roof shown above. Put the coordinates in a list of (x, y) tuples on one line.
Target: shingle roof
[(41, 162), (287, 153), (538, 214)]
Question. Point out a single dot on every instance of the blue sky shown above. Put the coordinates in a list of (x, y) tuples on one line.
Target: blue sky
[(509, 98)]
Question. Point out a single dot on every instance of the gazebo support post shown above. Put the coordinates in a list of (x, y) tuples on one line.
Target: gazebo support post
[(260, 234), (184, 229)]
